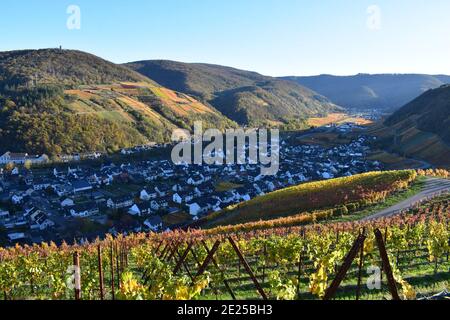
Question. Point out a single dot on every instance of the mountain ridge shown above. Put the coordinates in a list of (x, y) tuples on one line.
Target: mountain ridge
[(247, 97), (67, 101), (384, 92), (67, 67)]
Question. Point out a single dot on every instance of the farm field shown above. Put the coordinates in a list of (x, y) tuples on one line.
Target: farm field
[(395, 162), (337, 118), (324, 139)]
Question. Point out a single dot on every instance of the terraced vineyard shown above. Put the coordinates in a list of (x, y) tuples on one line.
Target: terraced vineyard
[(64, 101), (328, 196), (280, 263)]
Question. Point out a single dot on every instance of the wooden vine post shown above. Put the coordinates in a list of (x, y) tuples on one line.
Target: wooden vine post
[(360, 266), (117, 266), (386, 265), (208, 259), (111, 255), (100, 273), (331, 291), (225, 281), (77, 279), (358, 245), (247, 268)]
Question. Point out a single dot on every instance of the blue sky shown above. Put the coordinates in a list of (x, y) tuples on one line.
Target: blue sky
[(273, 37)]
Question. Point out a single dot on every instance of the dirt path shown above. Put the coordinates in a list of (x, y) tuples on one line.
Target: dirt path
[(433, 186)]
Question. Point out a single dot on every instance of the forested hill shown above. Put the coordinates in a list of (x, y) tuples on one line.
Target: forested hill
[(64, 67), (62, 101), (246, 97)]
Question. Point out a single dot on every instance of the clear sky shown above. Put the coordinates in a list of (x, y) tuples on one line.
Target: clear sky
[(273, 37)]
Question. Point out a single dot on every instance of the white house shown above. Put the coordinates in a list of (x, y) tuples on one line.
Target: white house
[(194, 208), (120, 202), (162, 190), (81, 185), (62, 189), (17, 158), (196, 180), (226, 197), (4, 214), (158, 204), (38, 159), (177, 198), (67, 203), (40, 219), (142, 209), (145, 196), (85, 210), (16, 236), (41, 184), (327, 175), (21, 158), (270, 185), (134, 210), (154, 223), (16, 199), (177, 188)]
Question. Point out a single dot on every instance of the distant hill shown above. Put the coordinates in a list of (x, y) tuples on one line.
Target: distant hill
[(386, 92), (422, 127), (245, 97), (63, 101)]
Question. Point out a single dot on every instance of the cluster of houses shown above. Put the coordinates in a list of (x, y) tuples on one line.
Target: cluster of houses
[(141, 148), (22, 158), (34, 205)]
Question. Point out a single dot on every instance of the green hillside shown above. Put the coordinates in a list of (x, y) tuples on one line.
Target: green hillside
[(245, 97), (29, 68), (354, 191), (61, 101)]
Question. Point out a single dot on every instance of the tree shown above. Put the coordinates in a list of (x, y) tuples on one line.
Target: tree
[(28, 164), (10, 166)]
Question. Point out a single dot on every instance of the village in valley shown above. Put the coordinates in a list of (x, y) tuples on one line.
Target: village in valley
[(75, 201)]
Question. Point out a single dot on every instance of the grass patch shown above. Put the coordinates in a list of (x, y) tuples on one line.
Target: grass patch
[(337, 118), (175, 218), (415, 188), (364, 188), (119, 189), (226, 186), (330, 215)]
